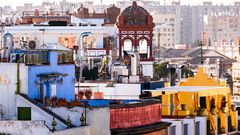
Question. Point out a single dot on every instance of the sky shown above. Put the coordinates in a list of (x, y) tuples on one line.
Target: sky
[(14, 3)]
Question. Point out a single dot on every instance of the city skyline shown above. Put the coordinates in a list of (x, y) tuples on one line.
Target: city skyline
[(14, 3)]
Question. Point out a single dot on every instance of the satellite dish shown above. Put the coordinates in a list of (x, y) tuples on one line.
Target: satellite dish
[(32, 44), (2, 110)]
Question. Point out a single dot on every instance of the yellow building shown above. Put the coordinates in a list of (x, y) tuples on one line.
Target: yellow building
[(200, 96)]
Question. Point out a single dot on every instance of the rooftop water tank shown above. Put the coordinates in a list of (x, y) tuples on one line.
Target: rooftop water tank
[(7, 44)]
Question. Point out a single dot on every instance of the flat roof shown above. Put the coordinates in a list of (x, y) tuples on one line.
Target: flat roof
[(187, 88)]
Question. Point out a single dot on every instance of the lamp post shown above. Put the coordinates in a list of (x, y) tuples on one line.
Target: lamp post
[(83, 118), (54, 124)]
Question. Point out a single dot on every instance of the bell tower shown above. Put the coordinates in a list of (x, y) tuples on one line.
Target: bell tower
[(135, 27)]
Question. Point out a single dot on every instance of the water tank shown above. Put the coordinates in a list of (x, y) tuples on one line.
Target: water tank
[(7, 44)]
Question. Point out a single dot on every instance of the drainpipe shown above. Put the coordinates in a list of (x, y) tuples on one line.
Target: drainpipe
[(18, 78)]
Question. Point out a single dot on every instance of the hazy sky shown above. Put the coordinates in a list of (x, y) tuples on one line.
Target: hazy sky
[(15, 3)]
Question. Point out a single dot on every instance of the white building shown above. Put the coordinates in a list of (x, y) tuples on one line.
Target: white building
[(212, 68), (236, 77), (164, 30)]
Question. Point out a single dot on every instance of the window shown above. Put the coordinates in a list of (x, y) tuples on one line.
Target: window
[(171, 19), (203, 102), (143, 46), (127, 45), (54, 90)]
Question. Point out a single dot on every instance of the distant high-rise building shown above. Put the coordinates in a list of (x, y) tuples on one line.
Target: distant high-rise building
[(164, 30), (222, 32)]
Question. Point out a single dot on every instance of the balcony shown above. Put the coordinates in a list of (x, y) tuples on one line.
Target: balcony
[(36, 58)]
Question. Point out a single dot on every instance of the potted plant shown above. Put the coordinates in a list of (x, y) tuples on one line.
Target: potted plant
[(183, 106), (80, 94), (233, 107), (62, 102), (54, 100), (47, 101), (75, 103), (212, 106), (223, 104), (88, 94)]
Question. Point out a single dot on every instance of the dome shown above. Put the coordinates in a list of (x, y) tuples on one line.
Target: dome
[(135, 15)]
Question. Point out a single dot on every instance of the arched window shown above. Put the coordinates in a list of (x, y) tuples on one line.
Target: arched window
[(143, 46), (127, 46)]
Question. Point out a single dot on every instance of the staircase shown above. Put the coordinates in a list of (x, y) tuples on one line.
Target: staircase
[(48, 112)]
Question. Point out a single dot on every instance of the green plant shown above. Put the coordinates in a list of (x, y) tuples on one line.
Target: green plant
[(161, 70)]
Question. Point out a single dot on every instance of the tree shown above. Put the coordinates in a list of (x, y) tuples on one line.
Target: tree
[(186, 73), (161, 70)]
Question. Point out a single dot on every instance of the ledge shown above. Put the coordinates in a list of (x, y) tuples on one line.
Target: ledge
[(141, 129)]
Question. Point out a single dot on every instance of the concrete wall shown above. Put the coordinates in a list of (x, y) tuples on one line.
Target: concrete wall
[(24, 128), (119, 91), (98, 119), (74, 131), (64, 90), (8, 80), (39, 114), (147, 68), (52, 34)]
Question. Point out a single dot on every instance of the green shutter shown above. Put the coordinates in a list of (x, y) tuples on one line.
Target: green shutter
[(24, 113)]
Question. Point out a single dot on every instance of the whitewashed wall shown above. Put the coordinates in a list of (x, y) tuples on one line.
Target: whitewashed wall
[(119, 91), (24, 128), (147, 68), (8, 80), (98, 119), (39, 114), (74, 131), (51, 34)]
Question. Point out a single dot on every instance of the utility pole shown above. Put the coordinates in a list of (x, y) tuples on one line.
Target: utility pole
[(2, 31), (201, 52), (158, 46)]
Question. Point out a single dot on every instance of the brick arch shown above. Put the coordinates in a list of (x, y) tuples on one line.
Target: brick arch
[(143, 37), (128, 37)]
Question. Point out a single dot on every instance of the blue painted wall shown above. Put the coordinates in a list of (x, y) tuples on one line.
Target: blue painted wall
[(64, 90)]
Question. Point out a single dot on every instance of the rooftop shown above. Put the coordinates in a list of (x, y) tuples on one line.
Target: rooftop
[(188, 88)]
